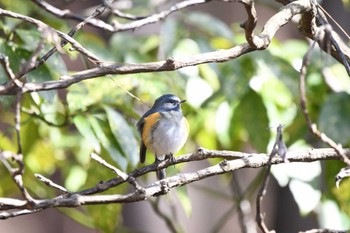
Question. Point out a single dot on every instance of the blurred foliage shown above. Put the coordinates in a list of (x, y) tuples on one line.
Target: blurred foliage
[(234, 105)]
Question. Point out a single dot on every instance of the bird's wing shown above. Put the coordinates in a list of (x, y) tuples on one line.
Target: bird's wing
[(140, 124), (142, 152), (145, 126)]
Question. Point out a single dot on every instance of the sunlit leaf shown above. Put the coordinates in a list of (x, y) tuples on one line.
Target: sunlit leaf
[(308, 202), (332, 217), (41, 157), (76, 178)]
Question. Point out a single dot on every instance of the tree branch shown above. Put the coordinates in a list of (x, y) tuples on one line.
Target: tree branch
[(232, 161), (139, 21), (303, 103), (261, 41)]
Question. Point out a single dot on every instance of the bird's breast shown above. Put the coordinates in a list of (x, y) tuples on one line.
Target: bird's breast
[(169, 135)]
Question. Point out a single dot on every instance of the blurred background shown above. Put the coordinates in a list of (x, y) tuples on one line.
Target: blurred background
[(235, 105)]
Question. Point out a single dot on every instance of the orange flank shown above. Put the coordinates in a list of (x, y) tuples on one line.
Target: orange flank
[(150, 121)]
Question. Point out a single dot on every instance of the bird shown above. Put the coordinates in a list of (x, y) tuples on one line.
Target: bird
[(163, 129)]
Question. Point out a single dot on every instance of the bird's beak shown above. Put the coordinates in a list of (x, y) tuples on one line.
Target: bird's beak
[(182, 101)]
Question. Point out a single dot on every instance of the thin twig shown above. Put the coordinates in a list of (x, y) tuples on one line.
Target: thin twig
[(167, 219), (120, 14), (4, 61), (18, 172), (65, 39), (67, 14), (50, 183), (42, 118), (303, 103), (121, 174), (139, 21), (250, 23), (31, 61), (18, 124), (262, 191), (224, 218), (244, 208)]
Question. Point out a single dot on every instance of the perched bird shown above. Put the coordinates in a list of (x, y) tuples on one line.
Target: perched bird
[(163, 129)]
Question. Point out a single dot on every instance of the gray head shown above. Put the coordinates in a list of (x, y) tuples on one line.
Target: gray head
[(168, 102)]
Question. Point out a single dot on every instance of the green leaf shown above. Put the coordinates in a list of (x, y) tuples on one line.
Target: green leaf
[(297, 129), (78, 97), (29, 133), (96, 45), (252, 115), (84, 127), (78, 215), (184, 199), (29, 38), (105, 217), (105, 136), (167, 38), (209, 24), (123, 134), (13, 51), (334, 118)]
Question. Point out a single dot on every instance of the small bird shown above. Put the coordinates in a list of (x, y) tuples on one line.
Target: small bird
[(163, 130)]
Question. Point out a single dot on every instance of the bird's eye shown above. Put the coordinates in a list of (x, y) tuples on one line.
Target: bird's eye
[(172, 101)]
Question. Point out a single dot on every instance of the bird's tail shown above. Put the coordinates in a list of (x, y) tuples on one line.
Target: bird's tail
[(161, 174)]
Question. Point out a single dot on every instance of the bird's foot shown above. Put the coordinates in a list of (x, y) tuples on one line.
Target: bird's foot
[(170, 157)]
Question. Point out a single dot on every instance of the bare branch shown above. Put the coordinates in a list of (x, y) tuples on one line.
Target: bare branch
[(240, 160), (66, 14), (66, 38), (303, 103), (16, 173), (4, 61), (281, 18), (312, 23), (260, 196), (97, 158), (244, 208), (250, 24), (261, 41), (42, 118), (18, 124), (140, 21), (175, 228), (118, 68), (50, 183)]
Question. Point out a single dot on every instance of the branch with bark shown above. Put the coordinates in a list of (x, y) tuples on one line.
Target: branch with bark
[(255, 42), (231, 161)]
